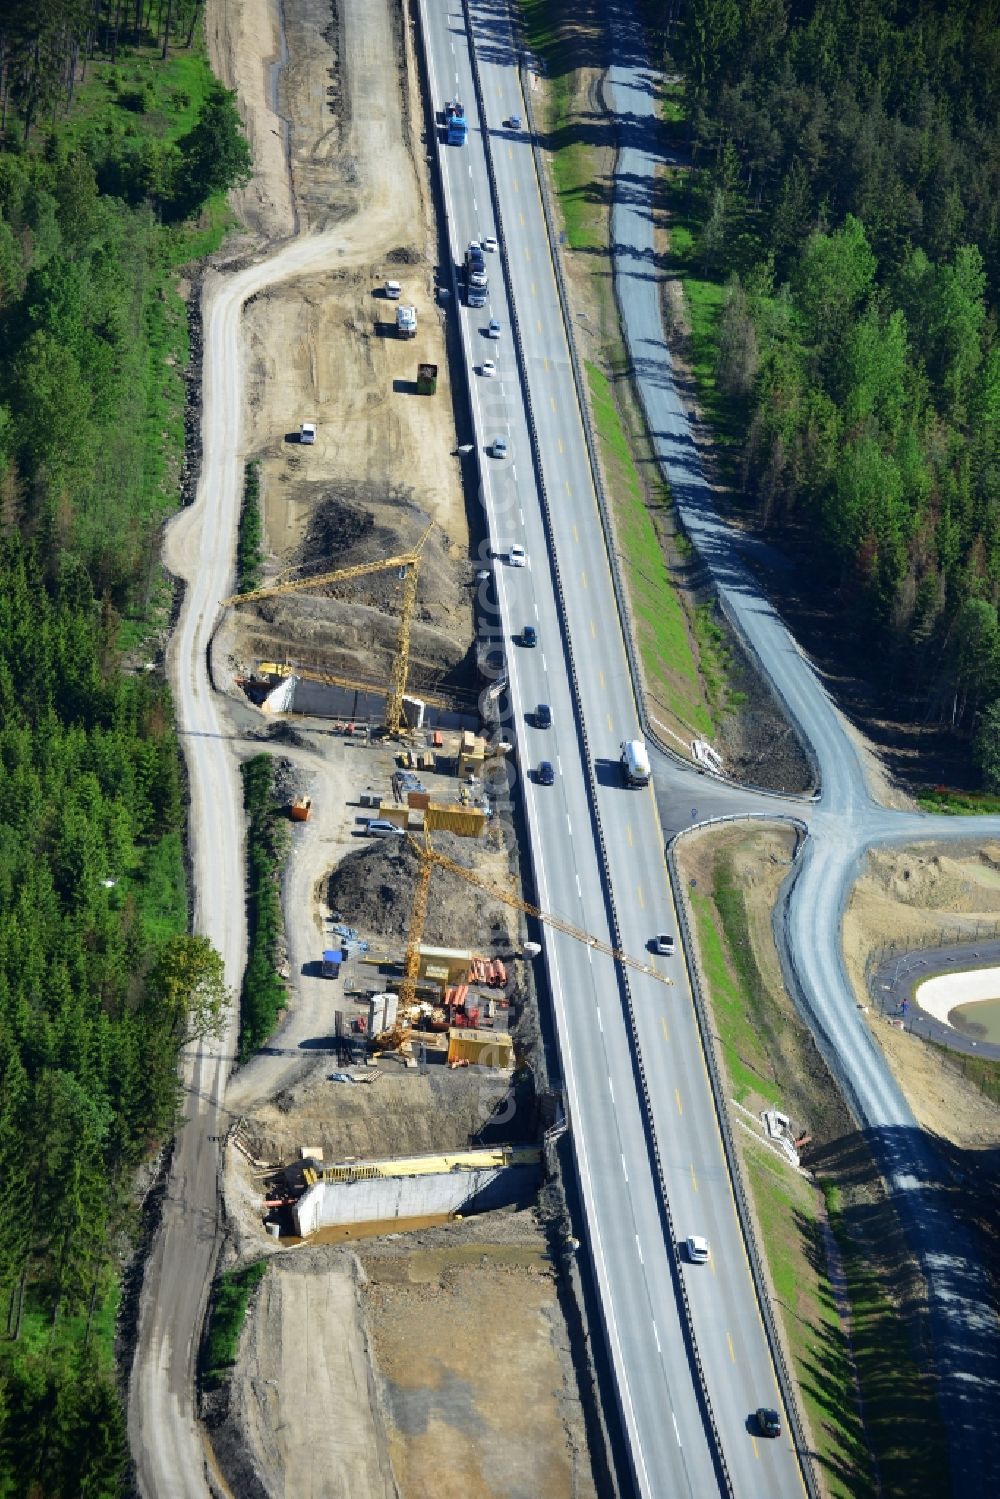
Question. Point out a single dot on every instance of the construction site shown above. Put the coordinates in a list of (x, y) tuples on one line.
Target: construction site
[(393, 1150)]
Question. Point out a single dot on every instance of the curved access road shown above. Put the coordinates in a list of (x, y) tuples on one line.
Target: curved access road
[(846, 822)]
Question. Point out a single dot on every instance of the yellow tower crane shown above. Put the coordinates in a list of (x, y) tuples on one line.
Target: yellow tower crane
[(409, 564), (430, 858)]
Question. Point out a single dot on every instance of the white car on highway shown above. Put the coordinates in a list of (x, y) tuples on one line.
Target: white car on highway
[(489, 242), (517, 556), (498, 447), (488, 367), (493, 331), (699, 1251)]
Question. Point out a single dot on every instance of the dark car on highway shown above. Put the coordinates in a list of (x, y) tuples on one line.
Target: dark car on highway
[(529, 635), (768, 1422), (543, 716), (546, 775)]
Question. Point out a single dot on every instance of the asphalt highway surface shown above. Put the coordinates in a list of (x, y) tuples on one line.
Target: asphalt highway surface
[(651, 1355), (846, 822)]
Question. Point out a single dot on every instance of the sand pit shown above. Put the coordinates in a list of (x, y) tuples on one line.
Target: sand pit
[(940, 996)]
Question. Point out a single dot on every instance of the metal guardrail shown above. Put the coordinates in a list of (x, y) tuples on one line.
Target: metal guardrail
[(757, 1272), (651, 1139), (701, 1010), (546, 516)]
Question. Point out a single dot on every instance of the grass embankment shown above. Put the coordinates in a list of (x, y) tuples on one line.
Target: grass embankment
[(230, 1299), (263, 995), (681, 647), (756, 1029), (249, 552), (960, 803), (550, 26)]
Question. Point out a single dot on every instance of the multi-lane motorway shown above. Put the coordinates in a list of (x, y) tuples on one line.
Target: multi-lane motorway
[(673, 1446)]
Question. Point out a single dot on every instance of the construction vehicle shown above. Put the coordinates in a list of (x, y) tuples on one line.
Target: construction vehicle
[(408, 564), (406, 321), (427, 379), (458, 125), (301, 809)]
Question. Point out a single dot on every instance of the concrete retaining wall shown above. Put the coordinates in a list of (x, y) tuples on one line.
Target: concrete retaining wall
[(385, 1198)]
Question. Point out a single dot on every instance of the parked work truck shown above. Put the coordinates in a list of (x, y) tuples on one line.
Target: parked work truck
[(458, 125), (476, 281), (635, 763), (406, 322)]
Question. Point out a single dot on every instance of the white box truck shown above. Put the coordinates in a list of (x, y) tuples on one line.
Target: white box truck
[(406, 322), (635, 763)]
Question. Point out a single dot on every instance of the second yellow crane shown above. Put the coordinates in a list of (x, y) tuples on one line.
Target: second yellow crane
[(430, 858)]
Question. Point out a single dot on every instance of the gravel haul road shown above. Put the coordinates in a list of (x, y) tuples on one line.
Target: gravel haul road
[(165, 1439)]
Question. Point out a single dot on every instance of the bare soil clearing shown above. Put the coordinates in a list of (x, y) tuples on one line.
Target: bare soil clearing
[(911, 897), (441, 1371), (343, 1387), (324, 349)]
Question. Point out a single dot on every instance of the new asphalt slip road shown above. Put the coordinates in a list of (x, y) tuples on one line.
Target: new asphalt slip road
[(844, 824), (636, 1268)]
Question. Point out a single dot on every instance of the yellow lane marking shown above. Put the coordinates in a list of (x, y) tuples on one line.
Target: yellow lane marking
[(545, 366), (756, 1449), (677, 1098), (566, 486), (521, 217), (552, 399), (538, 324), (610, 723), (628, 834), (513, 183), (732, 1350), (583, 579), (642, 898), (560, 442), (593, 630), (527, 253), (600, 674), (694, 1179), (533, 289), (666, 1033), (576, 534)]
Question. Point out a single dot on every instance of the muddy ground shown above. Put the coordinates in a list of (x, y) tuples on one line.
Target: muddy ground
[(449, 1375)]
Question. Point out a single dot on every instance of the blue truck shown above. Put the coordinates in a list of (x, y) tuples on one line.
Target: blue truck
[(458, 125)]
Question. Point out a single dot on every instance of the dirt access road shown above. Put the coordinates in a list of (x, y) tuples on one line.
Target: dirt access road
[(165, 1437)]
